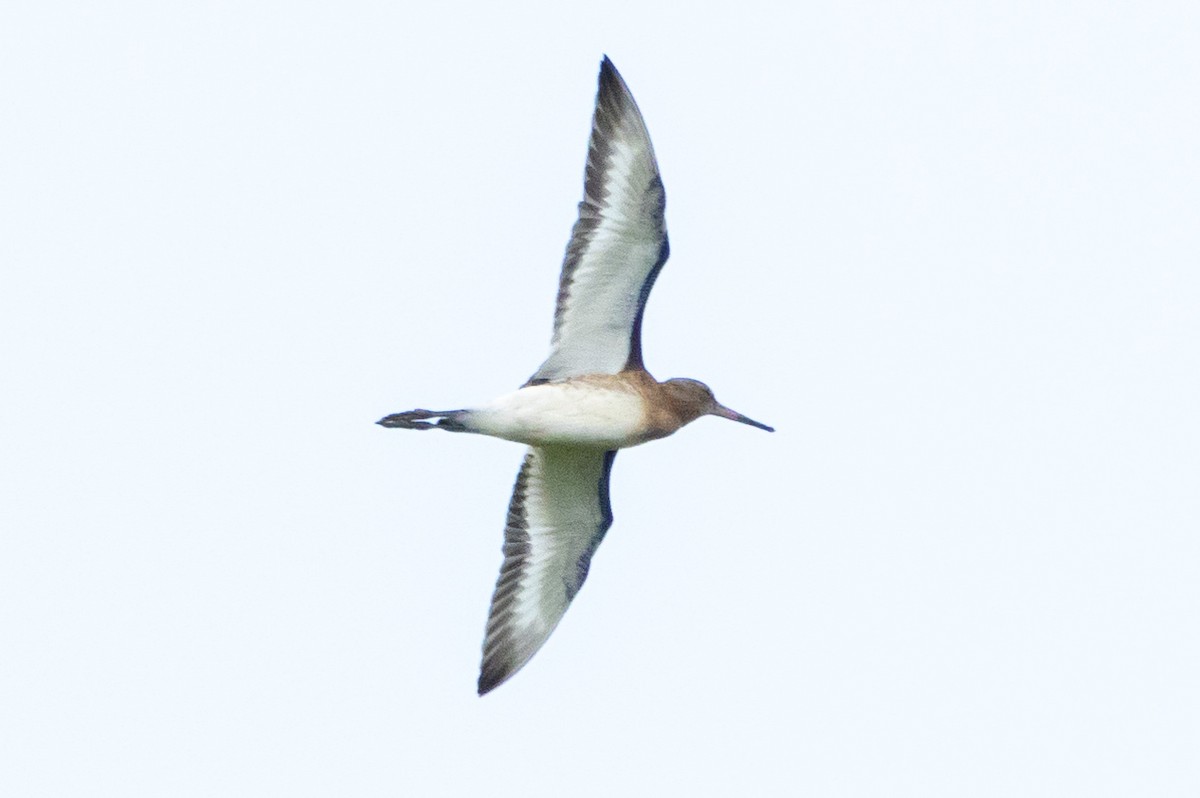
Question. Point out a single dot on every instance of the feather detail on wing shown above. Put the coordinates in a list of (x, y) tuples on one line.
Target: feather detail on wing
[(617, 247), (557, 517)]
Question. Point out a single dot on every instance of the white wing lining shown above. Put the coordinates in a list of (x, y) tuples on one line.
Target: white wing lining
[(557, 518), (617, 247)]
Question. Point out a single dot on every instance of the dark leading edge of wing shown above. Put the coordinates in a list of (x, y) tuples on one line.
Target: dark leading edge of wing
[(617, 247), (557, 518)]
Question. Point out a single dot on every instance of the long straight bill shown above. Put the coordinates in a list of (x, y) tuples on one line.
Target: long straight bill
[(733, 415)]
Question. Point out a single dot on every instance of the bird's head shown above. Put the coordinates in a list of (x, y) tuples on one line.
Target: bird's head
[(692, 399)]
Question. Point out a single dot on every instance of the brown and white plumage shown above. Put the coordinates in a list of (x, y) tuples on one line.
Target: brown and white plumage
[(592, 395)]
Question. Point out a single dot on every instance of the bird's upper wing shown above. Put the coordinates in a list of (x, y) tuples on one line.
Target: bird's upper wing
[(557, 517), (617, 247)]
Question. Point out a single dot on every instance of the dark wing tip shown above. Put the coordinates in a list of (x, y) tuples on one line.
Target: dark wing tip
[(611, 79), (489, 679), (499, 666)]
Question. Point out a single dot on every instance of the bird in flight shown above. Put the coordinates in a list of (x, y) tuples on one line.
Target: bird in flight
[(592, 395)]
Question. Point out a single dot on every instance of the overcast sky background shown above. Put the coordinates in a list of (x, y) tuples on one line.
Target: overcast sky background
[(951, 251)]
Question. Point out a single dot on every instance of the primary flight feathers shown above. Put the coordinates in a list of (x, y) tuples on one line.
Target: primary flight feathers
[(598, 319)]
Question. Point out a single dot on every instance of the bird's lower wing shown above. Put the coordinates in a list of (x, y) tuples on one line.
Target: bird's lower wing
[(557, 517)]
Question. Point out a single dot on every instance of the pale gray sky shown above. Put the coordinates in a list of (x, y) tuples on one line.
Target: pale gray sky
[(951, 251)]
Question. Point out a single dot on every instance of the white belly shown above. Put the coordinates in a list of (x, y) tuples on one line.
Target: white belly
[(564, 414)]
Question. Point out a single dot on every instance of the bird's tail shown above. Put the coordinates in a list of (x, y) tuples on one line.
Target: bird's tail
[(450, 420)]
